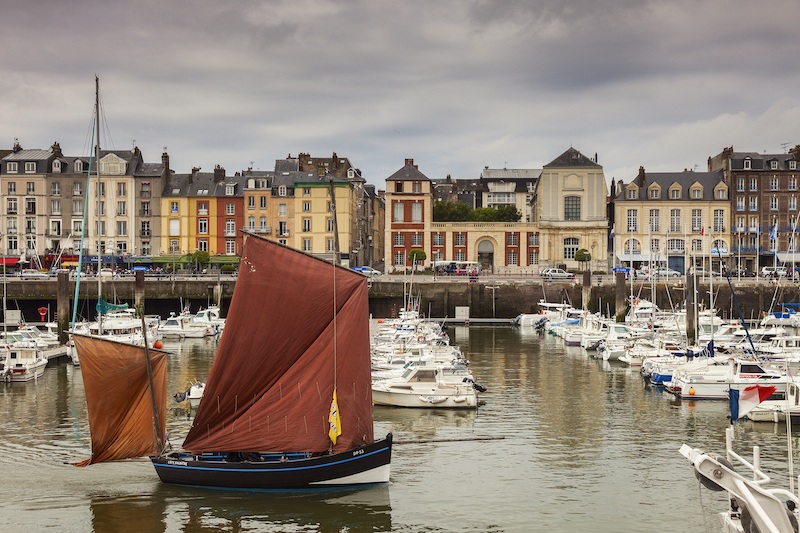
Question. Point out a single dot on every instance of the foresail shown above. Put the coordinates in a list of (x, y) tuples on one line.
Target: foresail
[(118, 398), (273, 377)]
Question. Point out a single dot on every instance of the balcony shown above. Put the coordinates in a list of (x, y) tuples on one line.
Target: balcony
[(202, 212), (230, 233), (30, 231), (145, 213), (30, 210), (145, 194), (54, 233), (747, 249), (264, 229), (144, 233), (11, 211)]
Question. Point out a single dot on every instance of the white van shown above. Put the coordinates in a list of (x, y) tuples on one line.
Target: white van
[(773, 272)]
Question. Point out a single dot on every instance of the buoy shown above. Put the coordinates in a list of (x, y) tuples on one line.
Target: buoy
[(157, 345), (691, 392), (42, 312)]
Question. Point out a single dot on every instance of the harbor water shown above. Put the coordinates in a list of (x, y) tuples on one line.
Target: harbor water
[(576, 445)]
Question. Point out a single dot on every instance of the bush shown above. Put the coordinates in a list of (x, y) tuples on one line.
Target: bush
[(227, 269)]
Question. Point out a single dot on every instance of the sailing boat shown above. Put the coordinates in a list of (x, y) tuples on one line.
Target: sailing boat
[(288, 401)]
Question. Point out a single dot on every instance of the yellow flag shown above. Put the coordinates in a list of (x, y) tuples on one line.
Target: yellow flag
[(333, 419)]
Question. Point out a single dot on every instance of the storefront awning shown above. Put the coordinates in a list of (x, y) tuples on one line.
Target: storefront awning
[(9, 261), (224, 259), (626, 258), (788, 257)]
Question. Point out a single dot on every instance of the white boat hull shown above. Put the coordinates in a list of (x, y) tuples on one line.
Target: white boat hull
[(426, 398)]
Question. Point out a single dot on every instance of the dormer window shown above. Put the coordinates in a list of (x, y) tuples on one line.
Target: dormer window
[(675, 193), (655, 193), (229, 189), (11, 167), (773, 165), (78, 166), (56, 166), (792, 165), (282, 190), (632, 194), (30, 167), (747, 164), (722, 194), (697, 194)]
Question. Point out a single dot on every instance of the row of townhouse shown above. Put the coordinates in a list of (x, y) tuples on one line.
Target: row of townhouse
[(562, 208), (124, 210), (742, 212)]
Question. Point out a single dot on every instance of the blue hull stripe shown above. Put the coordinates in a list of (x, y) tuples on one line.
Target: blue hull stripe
[(270, 470)]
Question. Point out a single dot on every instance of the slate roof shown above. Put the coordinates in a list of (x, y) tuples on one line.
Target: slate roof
[(571, 159), (685, 179), (408, 172)]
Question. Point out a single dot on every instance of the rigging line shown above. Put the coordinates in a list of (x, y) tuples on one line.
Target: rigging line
[(84, 231), (738, 308)]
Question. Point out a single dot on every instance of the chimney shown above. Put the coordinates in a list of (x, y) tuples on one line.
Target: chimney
[(410, 161), (17, 147), (595, 157), (613, 188), (321, 170), (56, 148), (219, 174), (640, 177), (165, 162)]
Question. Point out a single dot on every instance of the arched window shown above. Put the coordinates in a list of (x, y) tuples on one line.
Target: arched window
[(632, 246), (719, 245)]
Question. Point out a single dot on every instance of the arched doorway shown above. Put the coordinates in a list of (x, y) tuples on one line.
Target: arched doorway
[(486, 255)]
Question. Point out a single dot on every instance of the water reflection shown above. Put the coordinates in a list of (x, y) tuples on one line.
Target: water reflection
[(172, 508)]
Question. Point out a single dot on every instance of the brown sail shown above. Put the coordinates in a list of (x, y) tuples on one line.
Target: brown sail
[(273, 378), (119, 400)]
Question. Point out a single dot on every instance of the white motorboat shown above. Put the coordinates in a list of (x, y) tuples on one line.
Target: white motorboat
[(193, 393), (182, 327), (19, 364), (775, 410), (209, 317), (426, 387), (712, 382)]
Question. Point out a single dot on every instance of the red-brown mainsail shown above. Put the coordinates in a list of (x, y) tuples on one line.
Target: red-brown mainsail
[(276, 368)]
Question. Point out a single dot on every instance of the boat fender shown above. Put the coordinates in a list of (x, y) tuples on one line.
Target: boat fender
[(709, 483)]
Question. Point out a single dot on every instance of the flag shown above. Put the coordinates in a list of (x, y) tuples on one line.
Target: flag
[(774, 233), (334, 421), (708, 351), (744, 401), (703, 230)]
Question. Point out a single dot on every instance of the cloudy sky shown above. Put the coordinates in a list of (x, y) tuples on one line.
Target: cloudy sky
[(455, 84)]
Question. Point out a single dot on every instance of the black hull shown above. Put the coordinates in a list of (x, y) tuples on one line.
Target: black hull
[(364, 465)]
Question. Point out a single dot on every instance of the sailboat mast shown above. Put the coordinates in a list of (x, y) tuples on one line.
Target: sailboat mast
[(97, 203)]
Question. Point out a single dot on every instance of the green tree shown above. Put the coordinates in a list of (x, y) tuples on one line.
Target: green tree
[(200, 258), (417, 256), (583, 256)]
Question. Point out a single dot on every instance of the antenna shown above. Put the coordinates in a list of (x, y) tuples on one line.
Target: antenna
[(785, 147)]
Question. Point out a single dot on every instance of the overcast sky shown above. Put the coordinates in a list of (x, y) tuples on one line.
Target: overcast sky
[(455, 84)]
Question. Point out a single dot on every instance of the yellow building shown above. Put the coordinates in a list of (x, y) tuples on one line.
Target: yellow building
[(674, 219)]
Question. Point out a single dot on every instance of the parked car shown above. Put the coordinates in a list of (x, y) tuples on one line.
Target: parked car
[(665, 273), (741, 272), (557, 273), (773, 272), (367, 271), (701, 272), (32, 273)]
